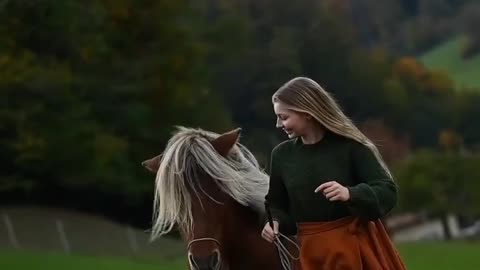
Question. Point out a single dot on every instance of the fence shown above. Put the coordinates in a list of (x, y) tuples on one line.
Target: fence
[(69, 232)]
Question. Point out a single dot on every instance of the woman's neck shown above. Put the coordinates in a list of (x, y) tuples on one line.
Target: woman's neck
[(314, 135)]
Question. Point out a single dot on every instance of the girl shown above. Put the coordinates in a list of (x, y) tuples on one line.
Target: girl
[(329, 184)]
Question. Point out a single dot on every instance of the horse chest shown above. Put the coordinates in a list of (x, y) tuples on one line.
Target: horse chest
[(254, 263), (255, 256)]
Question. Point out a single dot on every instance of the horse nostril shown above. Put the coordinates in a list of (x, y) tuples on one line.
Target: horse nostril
[(215, 260), (192, 261), (211, 262)]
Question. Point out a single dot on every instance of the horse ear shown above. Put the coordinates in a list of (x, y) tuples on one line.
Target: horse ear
[(152, 164), (226, 141)]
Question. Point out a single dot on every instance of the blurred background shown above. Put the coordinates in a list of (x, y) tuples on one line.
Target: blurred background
[(91, 88)]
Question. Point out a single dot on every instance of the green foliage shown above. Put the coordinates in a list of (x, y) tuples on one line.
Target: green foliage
[(89, 89), (411, 27), (439, 182)]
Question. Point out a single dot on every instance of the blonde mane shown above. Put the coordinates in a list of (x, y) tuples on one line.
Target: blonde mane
[(188, 151)]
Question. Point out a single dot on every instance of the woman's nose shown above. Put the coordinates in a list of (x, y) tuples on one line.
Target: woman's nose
[(278, 124)]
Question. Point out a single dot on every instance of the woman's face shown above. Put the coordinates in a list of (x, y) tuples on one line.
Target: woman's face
[(295, 124)]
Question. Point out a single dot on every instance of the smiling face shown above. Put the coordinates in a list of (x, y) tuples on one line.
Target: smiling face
[(295, 124)]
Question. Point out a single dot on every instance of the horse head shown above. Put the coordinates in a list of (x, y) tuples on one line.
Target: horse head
[(204, 183)]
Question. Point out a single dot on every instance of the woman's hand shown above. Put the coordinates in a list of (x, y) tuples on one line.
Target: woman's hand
[(268, 233), (334, 191)]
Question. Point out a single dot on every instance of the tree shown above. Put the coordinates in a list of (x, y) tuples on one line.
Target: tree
[(439, 182), (470, 18), (89, 89)]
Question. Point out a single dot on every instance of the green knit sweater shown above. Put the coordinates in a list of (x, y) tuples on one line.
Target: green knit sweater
[(297, 169)]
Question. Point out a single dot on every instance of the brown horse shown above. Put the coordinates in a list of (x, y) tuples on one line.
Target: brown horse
[(212, 188)]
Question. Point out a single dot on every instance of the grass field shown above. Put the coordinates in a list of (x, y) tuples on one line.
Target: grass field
[(50, 261), (447, 56), (418, 256), (441, 256)]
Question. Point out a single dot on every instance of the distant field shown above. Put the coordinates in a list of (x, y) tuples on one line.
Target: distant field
[(418, 256), (50, 261), (447, 56), (441, 256)]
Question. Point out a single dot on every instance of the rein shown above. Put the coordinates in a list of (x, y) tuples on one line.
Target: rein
[(283, 252)]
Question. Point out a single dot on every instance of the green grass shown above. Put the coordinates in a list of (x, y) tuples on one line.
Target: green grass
[(441, 255), (417, 256), (447, 56), (50, 261)]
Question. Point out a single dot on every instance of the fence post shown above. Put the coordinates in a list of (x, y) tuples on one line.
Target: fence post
[(132, 239), (63, 236), (10, 231)]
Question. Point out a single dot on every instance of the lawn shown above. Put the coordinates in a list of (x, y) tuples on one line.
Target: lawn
[(447, 56), (441, 256), (418, 256), (50, 261)]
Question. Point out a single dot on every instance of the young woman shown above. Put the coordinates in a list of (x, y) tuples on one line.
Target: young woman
[(329, 184)]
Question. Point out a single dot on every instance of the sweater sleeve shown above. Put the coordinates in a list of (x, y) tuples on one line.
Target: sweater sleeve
[(375, 195), (278, 200)]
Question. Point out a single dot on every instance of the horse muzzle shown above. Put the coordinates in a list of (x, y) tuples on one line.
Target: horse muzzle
[(210, 262)]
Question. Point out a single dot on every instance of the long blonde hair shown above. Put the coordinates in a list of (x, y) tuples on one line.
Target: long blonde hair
[(304, 95)]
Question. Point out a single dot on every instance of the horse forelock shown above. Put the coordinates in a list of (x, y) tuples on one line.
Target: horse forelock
[(189, 152)]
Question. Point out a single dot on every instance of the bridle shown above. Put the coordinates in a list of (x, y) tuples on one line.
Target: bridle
[(204, 239), (201, 240)]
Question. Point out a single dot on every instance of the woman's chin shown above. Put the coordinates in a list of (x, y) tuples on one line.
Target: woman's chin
[(291, 135)]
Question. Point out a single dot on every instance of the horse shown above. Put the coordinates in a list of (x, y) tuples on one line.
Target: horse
[(212, 189)]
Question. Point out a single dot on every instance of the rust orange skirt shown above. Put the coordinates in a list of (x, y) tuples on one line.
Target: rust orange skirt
[(346, 244)]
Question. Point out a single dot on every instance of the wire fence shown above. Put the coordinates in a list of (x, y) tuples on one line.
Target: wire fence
[(56, 230)]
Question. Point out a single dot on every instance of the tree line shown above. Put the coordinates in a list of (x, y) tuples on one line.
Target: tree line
[(89, 89)]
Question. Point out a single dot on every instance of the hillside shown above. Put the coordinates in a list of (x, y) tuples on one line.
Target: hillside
[(447, 56), (66, 231)]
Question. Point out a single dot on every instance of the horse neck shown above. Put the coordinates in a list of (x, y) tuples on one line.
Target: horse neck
[(248, 250)]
